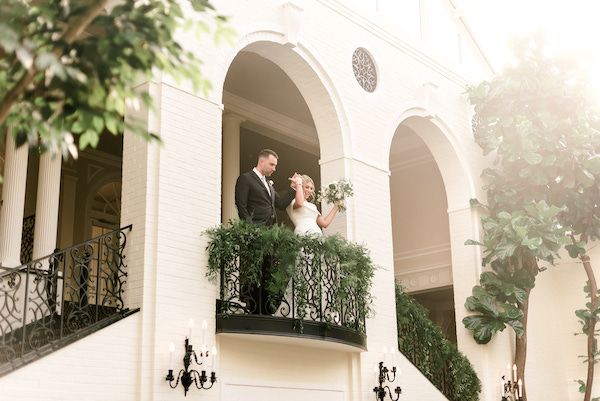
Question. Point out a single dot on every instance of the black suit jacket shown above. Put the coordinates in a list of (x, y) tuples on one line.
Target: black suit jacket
[(254, 203)]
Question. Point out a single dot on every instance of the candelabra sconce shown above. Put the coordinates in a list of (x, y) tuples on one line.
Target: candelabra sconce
[(382, 390), (511, 390), (188, 376)]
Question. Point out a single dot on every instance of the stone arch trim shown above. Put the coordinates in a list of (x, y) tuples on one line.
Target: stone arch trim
[(311, 79), (93, 188), (443, 145)]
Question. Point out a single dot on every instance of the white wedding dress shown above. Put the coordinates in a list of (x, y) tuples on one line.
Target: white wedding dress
[(304, 218)]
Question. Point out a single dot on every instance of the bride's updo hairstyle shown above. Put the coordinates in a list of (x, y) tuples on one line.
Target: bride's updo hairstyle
[(306, 179)]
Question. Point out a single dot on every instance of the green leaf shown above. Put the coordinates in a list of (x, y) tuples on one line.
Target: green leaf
[(520, 294), (88, 138), (483, 328), (98, 123), (111, 124), (532, 243)]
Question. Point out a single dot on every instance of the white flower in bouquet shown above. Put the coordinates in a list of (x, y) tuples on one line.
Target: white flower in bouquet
[(336, 193)]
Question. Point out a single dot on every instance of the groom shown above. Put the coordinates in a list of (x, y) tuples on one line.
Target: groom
[(255, 197), (256, 200)]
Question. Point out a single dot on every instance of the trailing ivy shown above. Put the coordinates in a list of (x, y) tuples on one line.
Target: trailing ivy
[(423, 343), (306, 259)]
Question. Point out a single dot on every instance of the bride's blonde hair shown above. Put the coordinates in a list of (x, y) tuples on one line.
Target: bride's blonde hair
[(306, 178)]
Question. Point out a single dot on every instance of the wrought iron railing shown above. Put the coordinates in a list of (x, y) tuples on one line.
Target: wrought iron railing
[(308, 280), (27, 239), (423, 343), (53, 297)]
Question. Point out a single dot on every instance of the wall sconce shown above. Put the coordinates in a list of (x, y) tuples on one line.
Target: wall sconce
[(381, 390), (511, 389), (188, 376)]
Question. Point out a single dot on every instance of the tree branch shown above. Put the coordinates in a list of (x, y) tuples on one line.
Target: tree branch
[(71, 34)]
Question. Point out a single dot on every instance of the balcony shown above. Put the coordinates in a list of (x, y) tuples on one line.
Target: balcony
[(273, 282)]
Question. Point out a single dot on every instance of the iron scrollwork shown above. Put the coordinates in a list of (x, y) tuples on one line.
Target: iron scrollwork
[(49, 298), (313, 293)]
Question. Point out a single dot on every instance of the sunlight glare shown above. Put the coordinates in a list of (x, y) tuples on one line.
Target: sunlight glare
[(570, 27)]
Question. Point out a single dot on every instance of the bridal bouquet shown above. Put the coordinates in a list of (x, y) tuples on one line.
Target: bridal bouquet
[(336, 192)]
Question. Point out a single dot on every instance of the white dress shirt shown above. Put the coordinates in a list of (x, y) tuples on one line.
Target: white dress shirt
[(263, 179)]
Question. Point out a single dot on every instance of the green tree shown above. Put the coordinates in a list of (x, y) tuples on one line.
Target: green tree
[(66, 67), (541, 123)]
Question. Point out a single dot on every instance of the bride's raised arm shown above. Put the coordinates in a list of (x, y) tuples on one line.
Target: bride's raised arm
[(297, 185)]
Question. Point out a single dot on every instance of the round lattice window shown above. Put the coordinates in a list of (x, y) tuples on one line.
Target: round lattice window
[(364, 69)]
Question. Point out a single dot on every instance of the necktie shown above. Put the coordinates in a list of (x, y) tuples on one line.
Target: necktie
[(264, 180)]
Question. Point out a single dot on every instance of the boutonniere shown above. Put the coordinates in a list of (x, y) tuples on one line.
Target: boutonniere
[(270, 182)]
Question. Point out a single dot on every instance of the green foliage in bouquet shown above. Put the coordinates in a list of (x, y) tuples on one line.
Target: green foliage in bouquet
[(336, 193)]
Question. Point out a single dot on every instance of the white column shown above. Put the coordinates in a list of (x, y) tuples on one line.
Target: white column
[(46, 207), (231, 164), (13, 200)]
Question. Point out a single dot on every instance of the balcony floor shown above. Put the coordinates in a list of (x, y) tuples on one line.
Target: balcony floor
[(285, 327)]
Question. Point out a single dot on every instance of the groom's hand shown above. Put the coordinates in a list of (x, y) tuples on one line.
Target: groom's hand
[(295, 179)]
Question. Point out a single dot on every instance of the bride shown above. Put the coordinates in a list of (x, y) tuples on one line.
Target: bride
[(303, 213)]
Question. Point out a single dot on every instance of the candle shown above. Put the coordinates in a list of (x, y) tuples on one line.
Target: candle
[(385, 355), (204, 328), (393, 356), (213, 351), (514, 373), (520, 388), (502, 387), (171, 352), (509, 375), (190, 326)]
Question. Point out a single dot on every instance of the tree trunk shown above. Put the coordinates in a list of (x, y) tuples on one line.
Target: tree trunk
[(592, 326), (521, 346)]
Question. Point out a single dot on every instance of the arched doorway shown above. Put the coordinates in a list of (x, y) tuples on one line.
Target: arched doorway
[(264, 109), (421, 238), (281, 97), (276, 97)]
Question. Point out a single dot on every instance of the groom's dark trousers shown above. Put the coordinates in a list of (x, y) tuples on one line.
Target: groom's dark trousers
[(257, 205)]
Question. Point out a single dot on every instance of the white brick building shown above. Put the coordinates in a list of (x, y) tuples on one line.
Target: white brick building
[(288, 83)]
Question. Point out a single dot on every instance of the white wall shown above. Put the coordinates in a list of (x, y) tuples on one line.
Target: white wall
[(172, 194), (552, 325), (102, 366)]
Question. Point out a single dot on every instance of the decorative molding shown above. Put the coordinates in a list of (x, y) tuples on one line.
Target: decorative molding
[(352, 159), (402, 45), (426, 94), (258, 116), (420, 252), (474, 40), (364, 69), (92, 171), (424, 268), (293, 22), (426, 279)]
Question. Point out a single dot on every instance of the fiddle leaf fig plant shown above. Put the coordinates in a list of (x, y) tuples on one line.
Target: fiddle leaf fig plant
[(540, 123)]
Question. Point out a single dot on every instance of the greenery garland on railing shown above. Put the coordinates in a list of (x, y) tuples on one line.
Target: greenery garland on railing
[(423, 343), (291, 253)]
